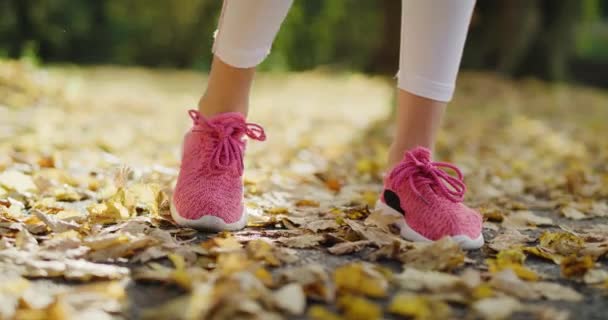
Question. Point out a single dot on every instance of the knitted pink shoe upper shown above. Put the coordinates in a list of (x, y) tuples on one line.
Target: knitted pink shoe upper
[(210, 177), (430, 198)]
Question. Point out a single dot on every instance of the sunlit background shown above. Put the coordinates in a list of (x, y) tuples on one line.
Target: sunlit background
[(555, 40)]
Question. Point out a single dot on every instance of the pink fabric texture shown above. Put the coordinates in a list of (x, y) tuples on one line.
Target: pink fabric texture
[(430, 198), (210, 180)]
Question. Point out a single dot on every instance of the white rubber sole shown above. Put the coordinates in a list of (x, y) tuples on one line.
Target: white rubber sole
[(208, 222), (408, 233)]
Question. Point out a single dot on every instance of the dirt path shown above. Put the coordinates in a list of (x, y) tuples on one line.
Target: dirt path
[(88, 158)]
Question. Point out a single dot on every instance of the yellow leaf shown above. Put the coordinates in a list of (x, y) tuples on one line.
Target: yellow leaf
[(147, 197), (318, 312), (262, 250), (307, 203), (370, 197), (543, 253), (563, 243), (512, 259), (419, 307), (278, 210), (66, 235), (232, 262), (264, 276), (358, 308), (222, 243), (59, 310), (361, 279), (482, 291), (180, 275)]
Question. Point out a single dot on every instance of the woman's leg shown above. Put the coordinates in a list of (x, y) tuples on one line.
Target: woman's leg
[(433, 34), (417, 188), (245, 34), (209, 190)]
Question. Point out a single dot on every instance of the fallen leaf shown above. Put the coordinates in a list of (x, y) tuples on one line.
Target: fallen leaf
[(574, 266), (302, 241), (573, 213), (563, 243), (382, 221), (349, 247), (17, 181), (555, 291), (496, 308), (376, 235), (319, 312), (413, 279), (361, 278), (509, 239), (291, 298), (314, 280), (419, 307), (442, 255), (596, 276), (524, 220), (512, 259), (307, 203), (358, 308)]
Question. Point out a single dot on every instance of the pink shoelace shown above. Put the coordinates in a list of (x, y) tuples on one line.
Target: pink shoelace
[(228, 150), (420, 171)]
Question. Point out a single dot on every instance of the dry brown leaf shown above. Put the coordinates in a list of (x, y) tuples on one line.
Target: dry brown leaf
[(55, 224), (307, 203), (302, 241), (349, 247), (509, 239), (382, 221), (314, 280), (562, 243), (596, 250), (374, 234), (574, 266), (442, 255), (265, 251), (524, 220), (125, 245)]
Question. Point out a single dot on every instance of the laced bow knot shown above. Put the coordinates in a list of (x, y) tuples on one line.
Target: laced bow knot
[(418, 170), (228, 134)]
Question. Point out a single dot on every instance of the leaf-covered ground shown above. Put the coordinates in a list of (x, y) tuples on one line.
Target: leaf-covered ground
[(88, 158)]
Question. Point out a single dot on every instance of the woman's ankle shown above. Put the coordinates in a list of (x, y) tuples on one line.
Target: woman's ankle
[(210, 107), (227, 90)]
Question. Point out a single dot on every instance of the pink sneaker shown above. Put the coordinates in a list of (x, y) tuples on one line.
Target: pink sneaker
[(430, 200), (209, 190)]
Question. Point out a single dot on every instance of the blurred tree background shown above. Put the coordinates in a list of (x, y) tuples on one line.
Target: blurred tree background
[(555, 40)]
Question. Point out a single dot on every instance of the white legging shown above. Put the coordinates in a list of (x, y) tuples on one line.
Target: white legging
[(433, 33)]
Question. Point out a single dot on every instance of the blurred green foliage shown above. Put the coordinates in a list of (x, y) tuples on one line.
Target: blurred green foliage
[(513, 36)]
